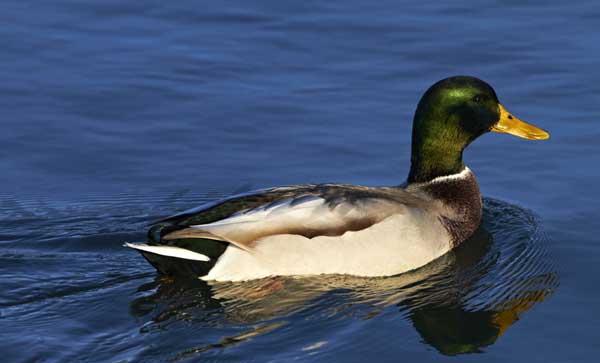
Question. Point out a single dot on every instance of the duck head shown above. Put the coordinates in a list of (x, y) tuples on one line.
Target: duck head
[(450, 115)]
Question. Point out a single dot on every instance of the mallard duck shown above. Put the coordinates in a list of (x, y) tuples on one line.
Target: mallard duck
[(346, 229)]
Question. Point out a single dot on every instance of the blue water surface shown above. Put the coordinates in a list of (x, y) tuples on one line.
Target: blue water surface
[(117, 113)]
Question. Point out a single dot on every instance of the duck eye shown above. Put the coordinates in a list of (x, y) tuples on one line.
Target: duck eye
[(478, 98)]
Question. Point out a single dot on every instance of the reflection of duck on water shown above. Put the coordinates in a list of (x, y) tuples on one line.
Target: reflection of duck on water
[(452, 327), (459, 303)]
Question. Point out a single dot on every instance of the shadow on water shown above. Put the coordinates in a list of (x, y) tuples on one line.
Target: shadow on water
[(459, 303)]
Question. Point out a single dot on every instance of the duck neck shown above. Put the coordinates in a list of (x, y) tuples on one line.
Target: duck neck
[(432, 161), (437, 146)]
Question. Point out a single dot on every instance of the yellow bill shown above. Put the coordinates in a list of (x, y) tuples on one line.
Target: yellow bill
[(509, 124)]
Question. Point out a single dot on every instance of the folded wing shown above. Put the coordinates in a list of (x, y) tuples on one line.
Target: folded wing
[(309, 211)]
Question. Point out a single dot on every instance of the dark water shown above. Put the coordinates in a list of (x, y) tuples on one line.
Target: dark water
[(116, 114)]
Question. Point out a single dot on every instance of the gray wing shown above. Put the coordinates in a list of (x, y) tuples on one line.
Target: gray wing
[(309, 210)]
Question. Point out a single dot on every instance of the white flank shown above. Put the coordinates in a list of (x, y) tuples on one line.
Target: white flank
[(398, 244), (170, 251)]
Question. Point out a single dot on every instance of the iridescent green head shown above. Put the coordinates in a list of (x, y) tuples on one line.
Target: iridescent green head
[(450, 115)]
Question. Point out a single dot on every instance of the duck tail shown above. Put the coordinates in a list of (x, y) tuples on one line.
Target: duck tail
[(179, 257)]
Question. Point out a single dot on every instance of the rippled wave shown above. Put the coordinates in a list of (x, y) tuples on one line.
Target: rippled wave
[(63, 260)]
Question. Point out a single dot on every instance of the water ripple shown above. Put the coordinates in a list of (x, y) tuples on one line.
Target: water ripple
[(59, 259)]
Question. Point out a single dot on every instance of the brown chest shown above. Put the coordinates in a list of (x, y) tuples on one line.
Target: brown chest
[(462, 203)]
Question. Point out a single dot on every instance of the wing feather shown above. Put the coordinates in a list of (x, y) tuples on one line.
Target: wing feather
[(308, 215)]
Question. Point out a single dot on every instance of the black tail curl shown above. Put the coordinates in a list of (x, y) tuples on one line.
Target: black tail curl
[(174, 266)]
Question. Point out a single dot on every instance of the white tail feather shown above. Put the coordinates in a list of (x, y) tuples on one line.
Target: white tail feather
[(170, 251)]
